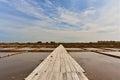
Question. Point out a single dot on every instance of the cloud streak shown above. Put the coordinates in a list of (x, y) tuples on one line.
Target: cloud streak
[(52, 22)]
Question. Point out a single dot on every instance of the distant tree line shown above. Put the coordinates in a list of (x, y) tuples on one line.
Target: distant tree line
[(55, 44), (108, 42)]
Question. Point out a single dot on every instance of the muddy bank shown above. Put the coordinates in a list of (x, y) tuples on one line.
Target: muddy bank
[(98, 66), (20, 66)]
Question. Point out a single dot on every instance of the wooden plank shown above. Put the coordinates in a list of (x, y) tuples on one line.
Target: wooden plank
[(69, 76), (75, 76), (76, 65), (61, 76), (70, 64), (67, 67), (62, 64), (81, 76), (59, 65)]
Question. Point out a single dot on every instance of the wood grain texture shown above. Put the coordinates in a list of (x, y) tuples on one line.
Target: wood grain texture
[(59, 65)]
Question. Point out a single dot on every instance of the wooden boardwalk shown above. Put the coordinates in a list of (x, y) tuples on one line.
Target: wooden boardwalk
[(59, 65)]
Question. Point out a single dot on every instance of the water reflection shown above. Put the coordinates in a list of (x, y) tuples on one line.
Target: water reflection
[(98, 66), (19, 66)]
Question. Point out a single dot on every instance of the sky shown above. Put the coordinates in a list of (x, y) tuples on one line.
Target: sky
[(59, 20)]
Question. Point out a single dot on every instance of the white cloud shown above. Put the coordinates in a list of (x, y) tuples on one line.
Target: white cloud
[(49, 3), (28, 8), (89, 25), (68, 16), (89, 12)]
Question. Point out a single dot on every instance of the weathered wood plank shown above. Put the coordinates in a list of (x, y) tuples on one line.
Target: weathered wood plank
[(59, 65)]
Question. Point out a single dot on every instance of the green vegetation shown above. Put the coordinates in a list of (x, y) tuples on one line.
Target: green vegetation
[(53, 44)]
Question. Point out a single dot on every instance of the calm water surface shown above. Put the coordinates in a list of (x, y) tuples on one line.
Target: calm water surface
[(98, 66), (20, 66), (5, 53)]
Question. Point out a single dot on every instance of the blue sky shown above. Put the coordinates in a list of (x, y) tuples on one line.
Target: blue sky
[(59, 20)]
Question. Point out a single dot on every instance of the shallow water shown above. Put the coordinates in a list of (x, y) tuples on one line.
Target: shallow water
[(25, 48), (5, 53), (93, 48), (113, 49), (20, 66), (98, 66), (7, 48), (73, 48), (113, 53)]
